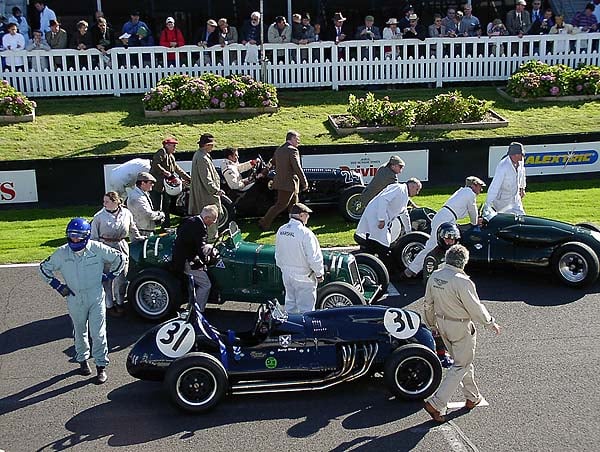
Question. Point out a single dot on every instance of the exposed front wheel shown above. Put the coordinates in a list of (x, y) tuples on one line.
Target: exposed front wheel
[(196, 383), (338, 294), (413, 372), (407, 247), (351, 205), (575, 264), (154, 294)]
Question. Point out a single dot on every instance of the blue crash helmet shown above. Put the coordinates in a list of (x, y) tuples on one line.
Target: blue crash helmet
[(78, 228), (447, 231)]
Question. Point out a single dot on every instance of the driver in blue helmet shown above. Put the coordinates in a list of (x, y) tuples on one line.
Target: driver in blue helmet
[(81, 262)]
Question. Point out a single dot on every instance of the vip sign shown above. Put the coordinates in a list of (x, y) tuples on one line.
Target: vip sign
[(553, 159), (367, 163), (18, 186)]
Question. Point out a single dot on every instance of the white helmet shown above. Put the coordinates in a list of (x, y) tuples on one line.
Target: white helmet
[(173, 185)]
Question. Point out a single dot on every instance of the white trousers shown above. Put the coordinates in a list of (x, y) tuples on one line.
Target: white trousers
[(300, 292)]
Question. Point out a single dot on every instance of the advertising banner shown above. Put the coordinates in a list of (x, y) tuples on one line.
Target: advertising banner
[(18, 186), (417, 163), (553, 159)]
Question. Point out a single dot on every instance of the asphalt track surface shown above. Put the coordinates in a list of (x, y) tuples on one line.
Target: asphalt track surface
[(539, 377)]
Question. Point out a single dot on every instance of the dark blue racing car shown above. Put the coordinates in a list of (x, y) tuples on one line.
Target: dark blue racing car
[(284, 353)]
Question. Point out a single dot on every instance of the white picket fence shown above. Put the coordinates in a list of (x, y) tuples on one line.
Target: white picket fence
[(433, 61)]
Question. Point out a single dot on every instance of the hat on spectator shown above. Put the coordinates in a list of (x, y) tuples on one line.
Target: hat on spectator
[(211, 22), (392, 21), (521, 2), (255, 14), (206, 138), (306, 16), (413, 16), (395, 160), (515, 148), (296, 17), (144, 176), (299, 208), (170, 140), (170, 20), (369, 18), (338, 17), (474, 180)]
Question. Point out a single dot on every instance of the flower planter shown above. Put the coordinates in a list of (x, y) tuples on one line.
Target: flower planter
[(11, 119), (492, 121), (504, 94), (208, 111)]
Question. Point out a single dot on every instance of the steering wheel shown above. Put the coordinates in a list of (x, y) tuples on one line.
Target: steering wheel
[(263, 320)]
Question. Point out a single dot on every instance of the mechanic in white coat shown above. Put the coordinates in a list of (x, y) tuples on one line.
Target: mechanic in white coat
[(508, 186), (391, 202), (298, 255), (461, 204), (140, 205), (232, 170), (82, 264), (122, 178)]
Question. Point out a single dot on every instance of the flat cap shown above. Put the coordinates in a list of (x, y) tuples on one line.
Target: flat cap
[(395, 160), (515, 148), (212, 22), (474, 180), (170, 140), (299, 208), (144, 176)]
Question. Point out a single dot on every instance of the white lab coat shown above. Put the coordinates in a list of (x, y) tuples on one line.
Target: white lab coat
[(298, 255), (504, 193), (390, 203), (124, 176)]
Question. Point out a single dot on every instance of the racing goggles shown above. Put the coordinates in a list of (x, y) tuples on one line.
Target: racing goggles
[(80, 235)]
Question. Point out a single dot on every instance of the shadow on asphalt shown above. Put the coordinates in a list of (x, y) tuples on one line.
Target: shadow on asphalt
[(365, 405), (35, 333)]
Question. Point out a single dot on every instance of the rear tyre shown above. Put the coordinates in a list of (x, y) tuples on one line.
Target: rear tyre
[(196, 383), (407, 247), (373, 268), (575, 264), (338, 294), (412, 372), (155, 294), (350, 204)]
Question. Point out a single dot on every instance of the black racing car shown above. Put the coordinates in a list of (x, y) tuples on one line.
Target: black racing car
[(282, 353)]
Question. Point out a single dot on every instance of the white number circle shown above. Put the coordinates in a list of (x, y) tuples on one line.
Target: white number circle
[(400, 323), (175, 339)]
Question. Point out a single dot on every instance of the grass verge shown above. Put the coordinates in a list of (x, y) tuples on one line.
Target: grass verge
[(30, 235)]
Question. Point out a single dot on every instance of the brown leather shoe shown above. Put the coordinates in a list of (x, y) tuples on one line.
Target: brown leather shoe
[(435, 414), (470, 404)]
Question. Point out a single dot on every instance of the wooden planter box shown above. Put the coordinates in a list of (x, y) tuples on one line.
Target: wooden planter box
[(16, 119), (503, 93), (208, 111), (495, 121)]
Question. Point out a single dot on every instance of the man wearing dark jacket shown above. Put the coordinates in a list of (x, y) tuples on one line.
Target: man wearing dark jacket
[(192, 252)]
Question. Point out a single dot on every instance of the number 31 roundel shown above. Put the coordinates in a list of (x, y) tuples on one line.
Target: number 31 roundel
[(175, 339), (400, 323)]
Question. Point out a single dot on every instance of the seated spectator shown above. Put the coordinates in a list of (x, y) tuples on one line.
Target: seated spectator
[(207, 36), (227, 33), (391, 32), (586, 20), (251, 30), (518, 20), (296, 26), (38, 43), (57, 38), (13, 40), (279, 32), (82, 40), (18, 19), (318, 36), (537, 14), (103, 37), (415, 29), (450, 22), (46, 15), (131, 36), (404, 23), (542, 27), (368, 31), (339, 32), (171, 37), (561, 27), (97, 16), (469, 24), (496, 28), (305, 33), (437, 29)]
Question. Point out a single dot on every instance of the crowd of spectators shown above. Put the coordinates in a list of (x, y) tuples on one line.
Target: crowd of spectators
[(16, 33)]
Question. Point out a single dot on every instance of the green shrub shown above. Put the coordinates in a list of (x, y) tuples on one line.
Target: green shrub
[(194, 94), (160, 98), (13, 102)]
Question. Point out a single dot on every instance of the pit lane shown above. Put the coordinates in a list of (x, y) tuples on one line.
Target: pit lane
[(539, 378)]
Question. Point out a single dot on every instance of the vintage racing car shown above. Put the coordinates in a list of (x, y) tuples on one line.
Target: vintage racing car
[(309, 351), (326, 187), (245, 271), (572, 252)]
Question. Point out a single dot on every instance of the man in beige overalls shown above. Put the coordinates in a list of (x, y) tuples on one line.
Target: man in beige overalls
[(452, 306)]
